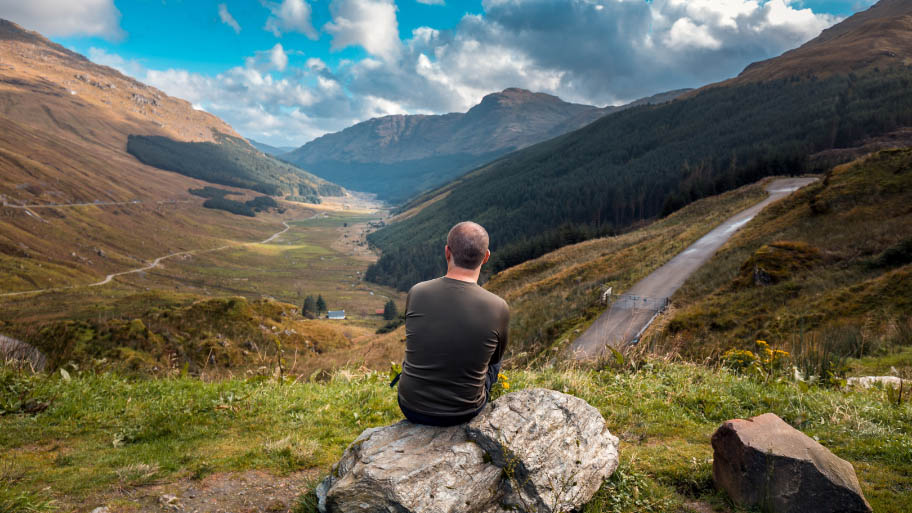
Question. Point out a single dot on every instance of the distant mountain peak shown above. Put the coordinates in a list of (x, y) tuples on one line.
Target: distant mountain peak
[(514, 97)]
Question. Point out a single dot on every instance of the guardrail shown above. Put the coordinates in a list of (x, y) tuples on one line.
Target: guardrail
[(632, 302)]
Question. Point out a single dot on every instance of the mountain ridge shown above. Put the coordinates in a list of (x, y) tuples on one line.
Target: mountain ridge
[(878, 36), (399, 155)]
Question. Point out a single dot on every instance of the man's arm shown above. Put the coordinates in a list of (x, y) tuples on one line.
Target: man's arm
[(504, 335)]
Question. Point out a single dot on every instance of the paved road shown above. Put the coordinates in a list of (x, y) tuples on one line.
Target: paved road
[(625, 319)]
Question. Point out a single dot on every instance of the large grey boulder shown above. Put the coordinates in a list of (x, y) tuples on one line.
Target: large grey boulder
[(409, 467), (535, 450), (764, 462), (555, 448)]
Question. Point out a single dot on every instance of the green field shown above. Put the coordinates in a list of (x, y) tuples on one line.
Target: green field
[(299, 263)]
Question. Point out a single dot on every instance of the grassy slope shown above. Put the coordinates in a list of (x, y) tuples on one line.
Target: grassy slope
[(822, 248), (100, 428), (559, 292)]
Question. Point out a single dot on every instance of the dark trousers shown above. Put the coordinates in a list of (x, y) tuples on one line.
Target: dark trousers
[(452, 420)]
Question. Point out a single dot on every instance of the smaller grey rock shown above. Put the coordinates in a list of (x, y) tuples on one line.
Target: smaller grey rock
[(764, 462), (101, 509)]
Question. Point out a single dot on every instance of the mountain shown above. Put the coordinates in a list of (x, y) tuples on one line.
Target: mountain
[(879, 36), (274, 151), (648, 161), (401, 155), (64, 132)]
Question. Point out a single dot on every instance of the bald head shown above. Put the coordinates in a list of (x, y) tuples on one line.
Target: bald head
[(468, 243)]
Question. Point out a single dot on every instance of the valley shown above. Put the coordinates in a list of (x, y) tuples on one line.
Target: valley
[(196, 321)]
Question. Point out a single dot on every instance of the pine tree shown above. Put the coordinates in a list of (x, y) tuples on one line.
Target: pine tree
[(390, 311), (310, 307), (321, 304)]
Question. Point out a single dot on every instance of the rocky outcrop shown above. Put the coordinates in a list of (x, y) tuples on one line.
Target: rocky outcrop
[(764, 462), (555, 448), (535, 450)]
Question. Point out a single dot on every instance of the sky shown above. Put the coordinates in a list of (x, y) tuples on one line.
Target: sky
[(286, 71)]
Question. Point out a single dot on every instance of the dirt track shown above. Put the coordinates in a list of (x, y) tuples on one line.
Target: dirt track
[(155, 263), (624, 320)]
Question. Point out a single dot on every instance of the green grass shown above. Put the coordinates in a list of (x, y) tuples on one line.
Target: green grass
[(103, 432)]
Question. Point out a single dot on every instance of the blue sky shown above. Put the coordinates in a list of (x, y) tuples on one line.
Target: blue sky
[(286, 71)]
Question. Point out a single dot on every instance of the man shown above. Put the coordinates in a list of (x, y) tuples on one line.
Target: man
[(456, 333)]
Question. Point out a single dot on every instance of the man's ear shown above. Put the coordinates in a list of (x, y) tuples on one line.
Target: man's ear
[(487, 256), (447, 253)]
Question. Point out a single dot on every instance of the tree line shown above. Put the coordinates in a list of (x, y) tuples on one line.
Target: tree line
[(229, 161)]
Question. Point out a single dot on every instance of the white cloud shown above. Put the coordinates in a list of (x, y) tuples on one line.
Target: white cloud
[(370, 24), (228, 19), (61, 18), (685, 33), (278, 58), (431, 2), (291, 16)]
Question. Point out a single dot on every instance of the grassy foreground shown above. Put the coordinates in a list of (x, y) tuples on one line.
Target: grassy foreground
[(104, 432)]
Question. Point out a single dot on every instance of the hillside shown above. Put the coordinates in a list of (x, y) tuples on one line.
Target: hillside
[(651, 160), (830, 262), (231, 161), (553, 295), (834, 259), (880, 36), (75, 204), (401, 155)]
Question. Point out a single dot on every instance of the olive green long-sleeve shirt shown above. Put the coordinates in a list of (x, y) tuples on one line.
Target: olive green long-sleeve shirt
[(454, 330)]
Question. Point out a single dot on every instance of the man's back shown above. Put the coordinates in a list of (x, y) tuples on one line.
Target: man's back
[(454, 330)]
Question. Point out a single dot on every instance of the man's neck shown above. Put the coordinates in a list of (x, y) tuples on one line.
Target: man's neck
[(458, 273)]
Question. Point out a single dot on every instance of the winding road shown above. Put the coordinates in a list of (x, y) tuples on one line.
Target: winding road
[(626, 319), (155, 263)]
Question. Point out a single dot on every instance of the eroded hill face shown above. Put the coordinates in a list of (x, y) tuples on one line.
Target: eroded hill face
[(878, 37), (63, 136), (48, 75), (66, 120)]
